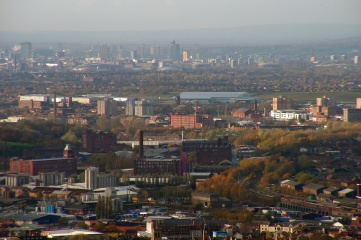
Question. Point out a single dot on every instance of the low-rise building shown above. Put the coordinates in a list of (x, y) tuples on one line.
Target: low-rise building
[(210, 200), (313, 188)]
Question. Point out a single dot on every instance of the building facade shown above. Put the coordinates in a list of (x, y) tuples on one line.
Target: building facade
[(94, 179), (51, 178), (196, 121), (281, 103), (157, 166), (99, 141), (143, 108), (106, 107), (35, 166), (352, 115), (325, 101)]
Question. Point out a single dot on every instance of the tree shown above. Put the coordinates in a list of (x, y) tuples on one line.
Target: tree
[(99, 227), (99, 208), (81, 225), (70, 137)]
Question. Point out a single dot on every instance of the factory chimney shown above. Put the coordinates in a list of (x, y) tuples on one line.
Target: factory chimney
[(141, 148), (55, 110)]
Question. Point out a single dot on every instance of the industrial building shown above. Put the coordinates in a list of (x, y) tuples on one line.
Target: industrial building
[(196, 121), (216, 97), (66, 164), (99, 141)]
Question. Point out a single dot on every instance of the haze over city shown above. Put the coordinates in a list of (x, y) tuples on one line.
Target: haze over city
[(180, 119), (143, 20)]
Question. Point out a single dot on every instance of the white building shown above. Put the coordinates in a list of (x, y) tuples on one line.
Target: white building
[(95, 180), (290, 114), (91, 177)]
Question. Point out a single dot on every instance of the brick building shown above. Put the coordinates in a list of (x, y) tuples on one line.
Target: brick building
[(243, 113), (35, 166), (214, 154), (99, 141), (196, 121), (154, 166)]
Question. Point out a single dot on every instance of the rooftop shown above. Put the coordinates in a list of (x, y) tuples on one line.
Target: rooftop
[(209, 95)]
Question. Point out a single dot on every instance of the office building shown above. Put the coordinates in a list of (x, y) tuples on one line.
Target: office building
[(185, 56), (141, 53), (281, 103), (174, 51), (104, 52), (143, 108), (26, 50), (355, 59), (134, 54), (106, 107), (155, 51)]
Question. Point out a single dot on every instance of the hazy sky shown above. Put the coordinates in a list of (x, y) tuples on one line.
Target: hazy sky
[(118, 15)]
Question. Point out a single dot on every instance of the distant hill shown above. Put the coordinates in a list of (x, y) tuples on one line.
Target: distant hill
[(249, 35)]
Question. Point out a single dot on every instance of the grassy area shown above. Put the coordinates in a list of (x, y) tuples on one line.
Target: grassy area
[(346, 97)]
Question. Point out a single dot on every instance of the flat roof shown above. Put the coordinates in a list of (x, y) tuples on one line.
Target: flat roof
[(314, 186), (69, 232), (209, 95)]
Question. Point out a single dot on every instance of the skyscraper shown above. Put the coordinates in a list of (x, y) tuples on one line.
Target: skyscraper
[(174, 51), (140, 51), (134, 54), (26, 50), (155, 51), (185, 56), (104, 52)]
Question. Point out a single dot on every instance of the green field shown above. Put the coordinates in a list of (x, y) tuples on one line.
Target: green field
[(344, 97)]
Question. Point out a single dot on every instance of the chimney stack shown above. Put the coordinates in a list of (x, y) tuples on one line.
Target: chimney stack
[(55, 112), (141, 148)]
